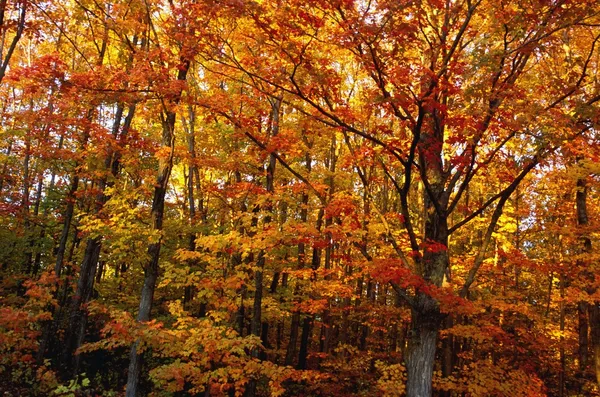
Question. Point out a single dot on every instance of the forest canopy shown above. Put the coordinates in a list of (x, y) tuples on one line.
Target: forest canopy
[(300, 198)]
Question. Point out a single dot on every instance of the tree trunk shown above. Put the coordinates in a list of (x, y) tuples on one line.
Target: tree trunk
[(304, 342), (85, 286), (292, 345), (586, 248), (147, 296), (40, 237), (448, 351), (420, 354), (426, 318), (563, 365), (583, 329), (70, 201), (25, 203), (257, 304), (20, 24), (89, 268), (158, 205), (309, 320), (290, 353), (75, 333), (193, 172), (68, 218), (595, 338), (585, 309), (5, 165), (256, 326)]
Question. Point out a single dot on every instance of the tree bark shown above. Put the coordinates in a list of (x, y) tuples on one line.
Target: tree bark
[(562, 357), (448, 352), (304, 342), (158, 205), (25, 202), (583, 330), (20, 23), (78, 314), (75, 333), (295, 324), (193, 173), (426, 318), (420, 356), (595, 338), (582, 307), (67, 220), (587, 311), (308, 321), (5, 165), (256, 326)]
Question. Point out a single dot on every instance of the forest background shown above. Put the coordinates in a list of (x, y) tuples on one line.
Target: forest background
[(316, 198)]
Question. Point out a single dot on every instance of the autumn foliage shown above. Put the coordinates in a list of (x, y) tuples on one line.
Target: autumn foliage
[(300, 198)]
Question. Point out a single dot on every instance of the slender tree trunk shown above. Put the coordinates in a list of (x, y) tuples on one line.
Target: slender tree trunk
[(5, 166), (75, 333), (70, 202), (36, 241), (326, 323), (595, 338), (364, 329), (582, 307), (25, 201), (158, 205), (67, 219), (304, 342), (35, 245), (48, 325), (83, 294), (586, 311), (356, 327), (308, 321), (18, 34), (257, 303), (257, 327), (583, 331), (290, 352), (264, 331), (295, 324), (562, 358), (236, 260), (344, 328), (193, 173), (448, 351)]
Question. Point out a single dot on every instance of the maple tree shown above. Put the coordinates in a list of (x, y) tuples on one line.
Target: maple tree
[(331, 197)]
